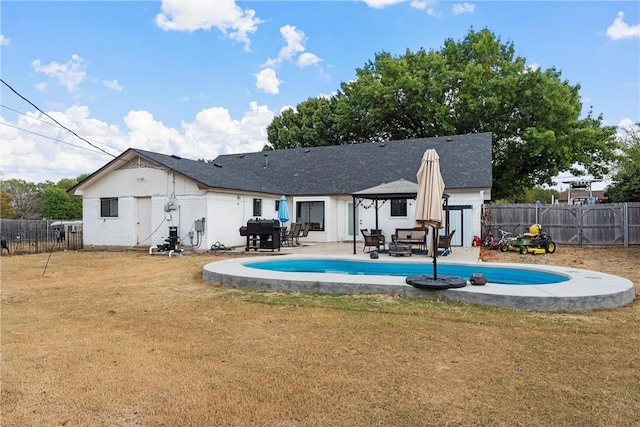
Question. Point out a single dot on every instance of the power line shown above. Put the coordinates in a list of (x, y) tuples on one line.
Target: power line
[(67, 129), (48, 124), (49, 137), (55, 121)]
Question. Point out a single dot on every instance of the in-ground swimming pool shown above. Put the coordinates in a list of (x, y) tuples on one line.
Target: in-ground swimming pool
[(580, 290), (497, 275)]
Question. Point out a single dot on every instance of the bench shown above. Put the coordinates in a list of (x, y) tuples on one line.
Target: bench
[(411, 236)]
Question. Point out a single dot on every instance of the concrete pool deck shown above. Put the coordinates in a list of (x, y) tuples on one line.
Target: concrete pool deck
[(584, 291)]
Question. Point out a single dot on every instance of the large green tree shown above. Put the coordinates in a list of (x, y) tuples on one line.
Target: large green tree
[(57, 204), (625, 185), (474, 85), (27, 201), (311, 124)]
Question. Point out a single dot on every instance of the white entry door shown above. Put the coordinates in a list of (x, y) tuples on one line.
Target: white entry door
[(349, 216), (143, 221)]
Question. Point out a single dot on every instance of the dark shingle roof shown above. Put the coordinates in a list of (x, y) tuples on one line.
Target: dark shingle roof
[(465, 162), (211, 175)]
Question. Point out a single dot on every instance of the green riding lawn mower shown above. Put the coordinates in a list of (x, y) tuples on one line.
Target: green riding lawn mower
[(532, 242)]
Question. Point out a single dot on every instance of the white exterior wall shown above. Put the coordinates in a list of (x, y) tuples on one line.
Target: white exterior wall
[(224, 213), (476, 201), (227, 212), (128, 185), (100, 232), (189, 208), (388, 224)]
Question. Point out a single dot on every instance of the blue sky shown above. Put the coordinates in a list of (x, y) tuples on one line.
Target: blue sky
[(203, 78)]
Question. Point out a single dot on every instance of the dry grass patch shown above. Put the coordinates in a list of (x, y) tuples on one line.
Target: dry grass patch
[(123, 338)]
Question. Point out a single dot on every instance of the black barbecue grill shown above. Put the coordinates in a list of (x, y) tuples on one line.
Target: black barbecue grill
[(262, 234)]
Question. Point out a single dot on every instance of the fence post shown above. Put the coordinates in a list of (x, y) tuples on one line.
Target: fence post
[(625, 224)]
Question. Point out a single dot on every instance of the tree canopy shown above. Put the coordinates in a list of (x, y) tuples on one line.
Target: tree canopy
[(625, 185), (474, 85), (25, 201), (28, 200)]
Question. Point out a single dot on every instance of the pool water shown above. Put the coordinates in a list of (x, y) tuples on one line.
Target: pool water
[(497, 275)]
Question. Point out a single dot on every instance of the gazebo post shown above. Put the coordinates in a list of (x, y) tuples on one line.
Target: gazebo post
[(377, 228), (354, 224)]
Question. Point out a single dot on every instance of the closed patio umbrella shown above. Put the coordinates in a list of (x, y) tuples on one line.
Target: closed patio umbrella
[(429, 199), (428, 213), (283, 210), (430, 191)]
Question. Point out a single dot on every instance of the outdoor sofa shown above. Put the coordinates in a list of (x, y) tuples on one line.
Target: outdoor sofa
[(412, 236)]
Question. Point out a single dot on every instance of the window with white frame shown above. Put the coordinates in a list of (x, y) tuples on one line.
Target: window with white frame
[(311, 212)]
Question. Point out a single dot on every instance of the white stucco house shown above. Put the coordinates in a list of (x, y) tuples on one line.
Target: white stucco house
[(133, 200)]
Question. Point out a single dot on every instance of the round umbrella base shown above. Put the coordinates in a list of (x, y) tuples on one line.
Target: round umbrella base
[(442, 282)]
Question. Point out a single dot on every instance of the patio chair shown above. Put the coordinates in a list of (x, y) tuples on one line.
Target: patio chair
[(305, 230), (380, 236), (288, 238), (444, 242), (293, 235), (284, 236), (371, 240)]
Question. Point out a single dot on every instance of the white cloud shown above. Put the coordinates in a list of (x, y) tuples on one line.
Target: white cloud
[(112, 84), (267, 81), (621, 30), (215, 132), (270, 63), (294, 39), (225, 15), (4, 41), (307, 59), (628, 124), (379, 4), (327, 95), (460, 8), (149, 134), (48, 152), (532, 67), (288, 107), (426, 5), (57, 153), (69, 74)]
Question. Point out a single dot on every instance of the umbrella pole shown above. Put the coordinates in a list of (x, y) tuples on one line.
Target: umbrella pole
[(435, 255)]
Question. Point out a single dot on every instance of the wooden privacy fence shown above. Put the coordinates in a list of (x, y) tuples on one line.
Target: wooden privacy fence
[(606, 224), (36, 236)]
